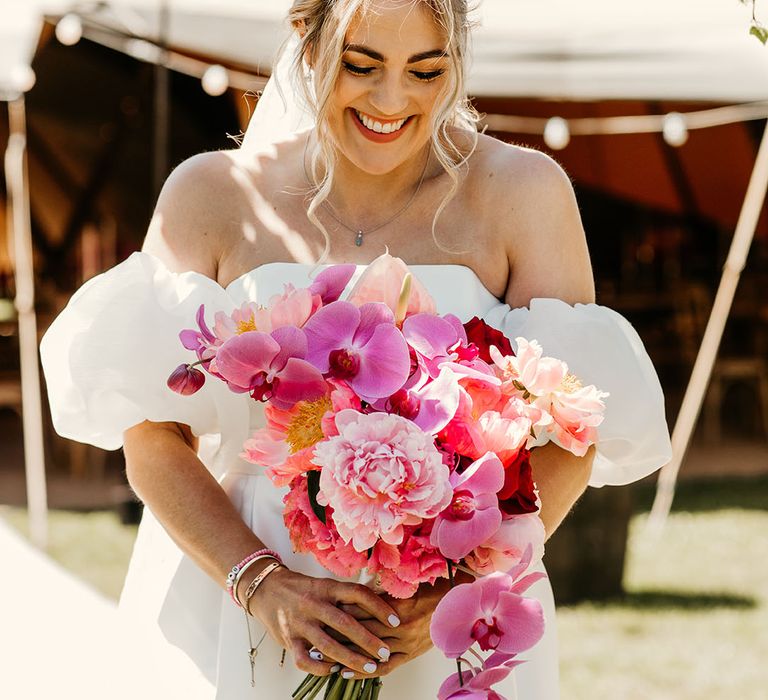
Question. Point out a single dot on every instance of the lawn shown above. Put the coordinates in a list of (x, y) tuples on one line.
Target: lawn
[(693, 624)]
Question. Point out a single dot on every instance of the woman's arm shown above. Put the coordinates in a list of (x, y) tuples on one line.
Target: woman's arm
[(165, 472)]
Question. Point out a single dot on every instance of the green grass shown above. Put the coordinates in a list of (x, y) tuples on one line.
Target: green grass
[(693, 624)]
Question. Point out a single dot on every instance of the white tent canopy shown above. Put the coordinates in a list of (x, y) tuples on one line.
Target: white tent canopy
[(586, 50)]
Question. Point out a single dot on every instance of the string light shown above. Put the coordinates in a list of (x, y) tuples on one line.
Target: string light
[(674, 129), (215, 80), (69, 29), (557, 135)]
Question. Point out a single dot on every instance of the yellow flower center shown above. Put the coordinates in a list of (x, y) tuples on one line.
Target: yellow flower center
[(571, 383), (247, 325), (305, 429)]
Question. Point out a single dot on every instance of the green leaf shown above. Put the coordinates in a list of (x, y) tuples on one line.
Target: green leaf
[(313, 487), (760, 32)]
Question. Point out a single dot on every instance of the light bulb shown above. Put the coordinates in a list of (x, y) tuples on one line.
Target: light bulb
[(69, 29), (215, 80), (23, 77), (557, 135), (674, 129)]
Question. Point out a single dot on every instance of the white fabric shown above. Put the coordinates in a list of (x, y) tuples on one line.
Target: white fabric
[(106, 358)]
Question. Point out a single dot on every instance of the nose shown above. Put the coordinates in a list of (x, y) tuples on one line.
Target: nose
[(389, 96)]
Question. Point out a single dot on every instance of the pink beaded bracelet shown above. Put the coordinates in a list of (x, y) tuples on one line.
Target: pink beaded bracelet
[(233, 577)]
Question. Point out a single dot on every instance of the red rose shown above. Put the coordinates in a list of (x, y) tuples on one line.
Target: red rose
[(483, 336), (518, 495)]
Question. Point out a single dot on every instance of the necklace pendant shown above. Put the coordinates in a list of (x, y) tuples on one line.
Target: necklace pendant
[(359, 239)]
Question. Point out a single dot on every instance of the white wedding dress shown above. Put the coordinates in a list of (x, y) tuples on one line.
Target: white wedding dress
[(106, 360)]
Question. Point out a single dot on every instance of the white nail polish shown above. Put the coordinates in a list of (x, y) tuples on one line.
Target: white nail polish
[(384, 654), (347, 674), (316, 655), (370, 667), (335, 668), (394, 620)]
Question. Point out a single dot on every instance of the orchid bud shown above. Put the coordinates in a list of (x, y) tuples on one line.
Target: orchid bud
[(186, 380)]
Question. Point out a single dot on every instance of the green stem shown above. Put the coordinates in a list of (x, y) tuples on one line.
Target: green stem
[(315, 682), (376, 689), (335, 687), (317, 687)]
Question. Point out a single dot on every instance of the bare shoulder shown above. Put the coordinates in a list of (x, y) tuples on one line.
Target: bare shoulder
[(531, 207), (196, 211)]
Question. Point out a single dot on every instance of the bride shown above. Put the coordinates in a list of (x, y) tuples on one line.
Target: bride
[(368, 144)]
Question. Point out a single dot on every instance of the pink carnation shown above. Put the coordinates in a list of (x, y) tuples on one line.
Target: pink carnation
[(309, 534), (415, 561), (379, 474)]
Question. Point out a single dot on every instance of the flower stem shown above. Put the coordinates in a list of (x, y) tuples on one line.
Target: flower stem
[(452, 582)]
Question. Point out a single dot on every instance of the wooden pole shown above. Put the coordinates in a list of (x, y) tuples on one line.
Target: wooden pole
[(705, 360), (162, 103), (32, 416)]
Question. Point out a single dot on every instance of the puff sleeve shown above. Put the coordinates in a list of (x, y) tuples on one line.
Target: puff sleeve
[(602, 348), (107, 356)]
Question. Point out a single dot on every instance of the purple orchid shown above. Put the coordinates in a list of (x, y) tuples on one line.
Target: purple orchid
[(186, 380), (271, 366), (475, 683), (473, 514), (491, 612), (360, 345)]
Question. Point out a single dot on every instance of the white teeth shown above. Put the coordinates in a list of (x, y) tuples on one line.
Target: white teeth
[(378, 127)]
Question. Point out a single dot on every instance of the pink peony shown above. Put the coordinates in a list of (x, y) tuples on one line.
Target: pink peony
[(310, 535), (506, 547), (379, 474)]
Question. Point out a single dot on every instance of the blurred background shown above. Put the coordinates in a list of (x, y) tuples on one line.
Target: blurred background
[(655, 109)]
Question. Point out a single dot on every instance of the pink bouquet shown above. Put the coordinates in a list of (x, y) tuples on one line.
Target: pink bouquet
[(404, 439)]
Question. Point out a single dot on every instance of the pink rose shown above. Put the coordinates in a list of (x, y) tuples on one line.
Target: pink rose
[(379, 474)]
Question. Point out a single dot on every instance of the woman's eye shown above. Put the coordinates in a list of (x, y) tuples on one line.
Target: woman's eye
[(428, 75), (356, 70)]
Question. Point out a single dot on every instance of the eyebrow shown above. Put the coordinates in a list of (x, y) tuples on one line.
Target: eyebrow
[(376, 56)]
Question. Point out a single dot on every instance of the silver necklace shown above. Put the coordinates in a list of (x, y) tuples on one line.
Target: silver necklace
[(357, 230)]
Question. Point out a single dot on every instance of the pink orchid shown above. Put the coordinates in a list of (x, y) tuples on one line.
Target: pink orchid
[(473, 514), (380, 474), (331, 282), (491, 612), (475, 683), (432, 337), (186, 380), (202, 341), (506, 547), (270, 367), (383, 281), (362, 346)]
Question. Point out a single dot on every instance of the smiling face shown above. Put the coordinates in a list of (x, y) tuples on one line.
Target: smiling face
[(393, 75)]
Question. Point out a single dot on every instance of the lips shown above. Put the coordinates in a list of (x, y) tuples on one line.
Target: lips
[(378, 130)]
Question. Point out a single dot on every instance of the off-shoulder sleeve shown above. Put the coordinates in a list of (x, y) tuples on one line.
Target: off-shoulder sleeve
[(107, 356), (602, 348)]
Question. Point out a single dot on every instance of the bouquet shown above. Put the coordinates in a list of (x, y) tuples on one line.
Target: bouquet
[(403, 440)]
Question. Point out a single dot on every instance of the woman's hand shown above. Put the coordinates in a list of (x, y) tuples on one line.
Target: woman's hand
[(411, 638), (301, 612)]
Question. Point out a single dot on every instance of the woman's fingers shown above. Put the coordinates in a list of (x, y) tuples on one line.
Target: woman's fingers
[(368, 601), (336, 651), (346, 625), (304, 661)]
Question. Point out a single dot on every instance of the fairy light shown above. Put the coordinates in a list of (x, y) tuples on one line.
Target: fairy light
[(557, 135), (674, 129), (215, 80), (69, 29)]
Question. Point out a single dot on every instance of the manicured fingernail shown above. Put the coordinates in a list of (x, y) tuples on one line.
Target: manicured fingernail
[(384, 654), (335, 668), (316, 655), (394, 620), (347, 674), (370, 667)]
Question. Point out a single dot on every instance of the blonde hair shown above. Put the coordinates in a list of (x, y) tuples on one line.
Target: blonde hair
[(324, 25)]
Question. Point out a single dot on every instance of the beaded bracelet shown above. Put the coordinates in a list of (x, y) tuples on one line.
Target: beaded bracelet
[(238, 569)]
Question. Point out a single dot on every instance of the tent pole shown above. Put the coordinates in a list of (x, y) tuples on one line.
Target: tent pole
[(705, 360), (32, 416)]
